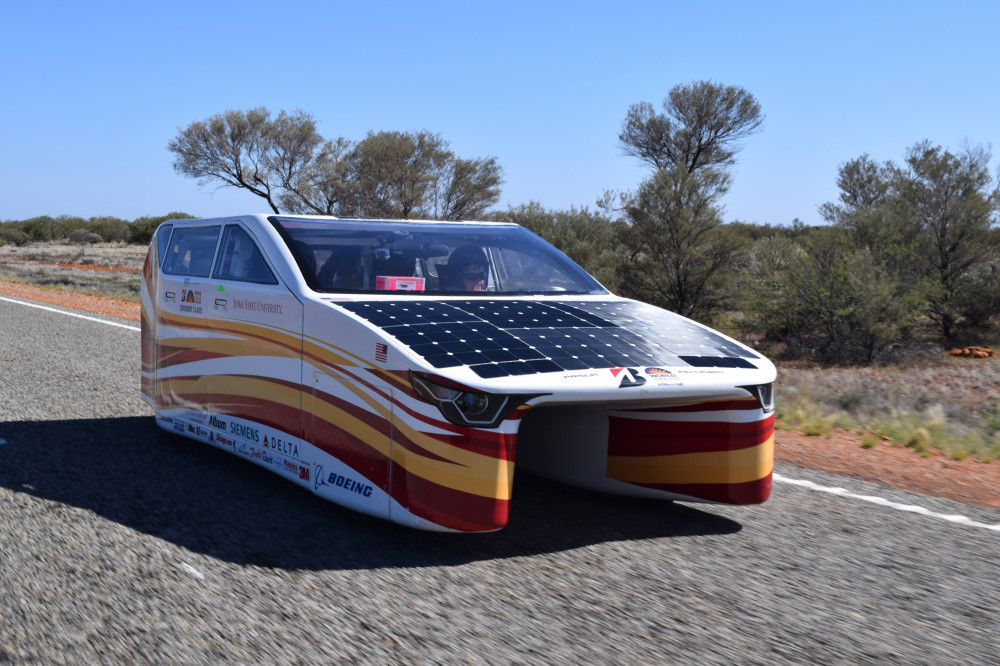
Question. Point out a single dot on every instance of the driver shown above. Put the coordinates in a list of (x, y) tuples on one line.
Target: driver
[(467, 266)]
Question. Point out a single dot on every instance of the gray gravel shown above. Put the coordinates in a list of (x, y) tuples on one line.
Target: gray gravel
[(122, 543)]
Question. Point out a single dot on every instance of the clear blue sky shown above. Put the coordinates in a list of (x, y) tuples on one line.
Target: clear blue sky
[(92, 92)]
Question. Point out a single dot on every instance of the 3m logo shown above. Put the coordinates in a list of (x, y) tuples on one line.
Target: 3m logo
[(630, 377)]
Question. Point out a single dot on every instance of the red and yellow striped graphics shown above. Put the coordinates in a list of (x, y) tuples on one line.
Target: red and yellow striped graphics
[(148, 332), (366, 418), (720, 451)]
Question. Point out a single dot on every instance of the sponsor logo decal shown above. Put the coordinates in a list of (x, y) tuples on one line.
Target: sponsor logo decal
[(257, 306), (222, 439), (630, 377), (339, 481), (663, 377), (217, 423), (190, 301), (244, 432), (178, 426), (280, 445)]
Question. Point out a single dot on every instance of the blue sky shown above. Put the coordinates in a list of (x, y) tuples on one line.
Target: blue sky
[(94, 91)]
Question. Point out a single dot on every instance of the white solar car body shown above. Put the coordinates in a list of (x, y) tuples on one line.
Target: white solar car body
[(401, 367)]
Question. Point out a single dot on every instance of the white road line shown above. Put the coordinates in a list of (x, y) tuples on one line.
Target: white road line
[(71, 314), (911, 508), (191, 570)]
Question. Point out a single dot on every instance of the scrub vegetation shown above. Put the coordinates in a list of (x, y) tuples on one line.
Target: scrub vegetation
[(109, 270), (951, 405), (858, 312)]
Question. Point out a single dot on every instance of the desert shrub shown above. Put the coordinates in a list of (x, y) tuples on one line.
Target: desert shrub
[(821, 297), (11, 235), (141, 231), (109, 229), (84, 237)]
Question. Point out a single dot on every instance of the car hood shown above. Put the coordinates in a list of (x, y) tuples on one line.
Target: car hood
[(504, 344)]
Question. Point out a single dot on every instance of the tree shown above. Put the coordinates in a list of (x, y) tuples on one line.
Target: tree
[(679, 254), (951, 203), (239, 149), (869, 213), (285, 161), (700, 127)]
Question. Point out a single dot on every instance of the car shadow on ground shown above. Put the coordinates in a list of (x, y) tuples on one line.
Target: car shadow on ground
[(129, 471)]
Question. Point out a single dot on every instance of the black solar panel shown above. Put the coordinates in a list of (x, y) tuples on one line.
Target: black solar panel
[(502, 338)]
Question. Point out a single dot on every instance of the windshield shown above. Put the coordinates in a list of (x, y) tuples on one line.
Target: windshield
[(440, 257)]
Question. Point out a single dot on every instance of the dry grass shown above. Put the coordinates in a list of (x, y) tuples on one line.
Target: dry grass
[(950, 405), (103, 269)]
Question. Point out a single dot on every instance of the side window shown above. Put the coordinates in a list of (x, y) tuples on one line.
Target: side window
[(191, 251), (241, 259), (162, 238)]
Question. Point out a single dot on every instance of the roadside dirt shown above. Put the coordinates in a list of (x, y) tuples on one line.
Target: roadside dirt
[(96, 304), (840, 452)]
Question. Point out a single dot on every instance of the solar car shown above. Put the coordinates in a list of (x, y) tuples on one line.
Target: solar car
[(405, 368)]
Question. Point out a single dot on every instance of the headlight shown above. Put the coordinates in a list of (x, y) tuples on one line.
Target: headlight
[(764, 393), (464, 406)]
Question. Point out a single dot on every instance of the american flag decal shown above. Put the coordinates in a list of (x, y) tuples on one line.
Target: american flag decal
[(381, 351)]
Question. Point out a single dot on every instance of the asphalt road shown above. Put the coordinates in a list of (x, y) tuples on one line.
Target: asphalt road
[(122, 543)]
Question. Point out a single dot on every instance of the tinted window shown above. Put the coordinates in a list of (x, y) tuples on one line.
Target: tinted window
[(162, 239), (191, 251), (241, 259), (448, 258)]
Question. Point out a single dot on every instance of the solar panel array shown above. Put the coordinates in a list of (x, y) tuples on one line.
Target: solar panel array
[(498, 338)]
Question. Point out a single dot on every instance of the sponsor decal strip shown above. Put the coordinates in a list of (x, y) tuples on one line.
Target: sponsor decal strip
[(451, 466)]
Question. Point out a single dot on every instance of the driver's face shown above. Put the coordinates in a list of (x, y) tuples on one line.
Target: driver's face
[(474, 278)]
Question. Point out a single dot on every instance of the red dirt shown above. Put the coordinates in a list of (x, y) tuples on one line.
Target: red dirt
[(840, 452), (970, 481), (106, 306), (92, 267)]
